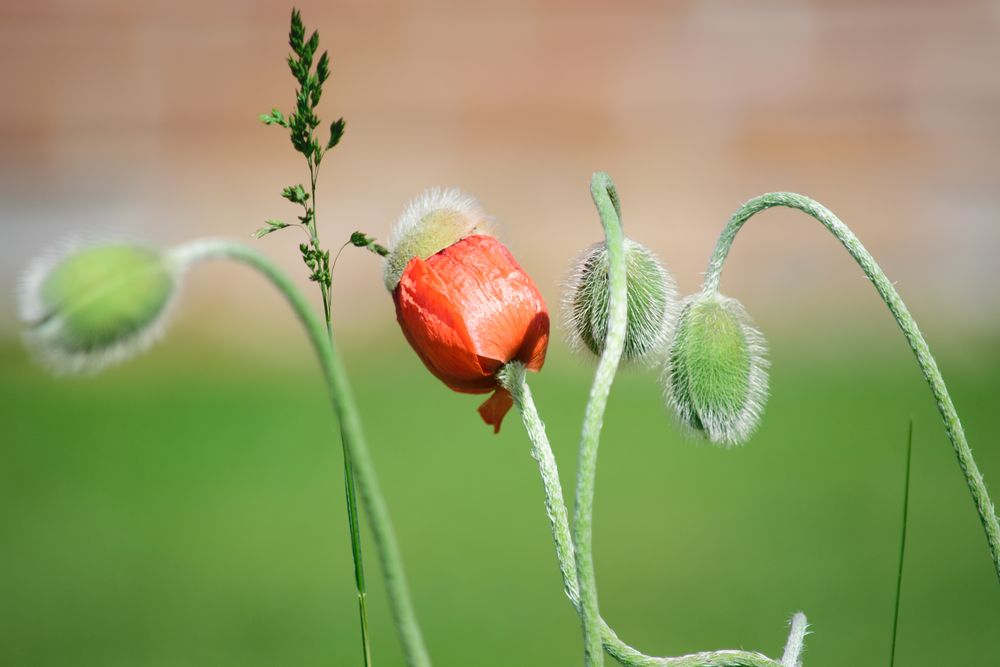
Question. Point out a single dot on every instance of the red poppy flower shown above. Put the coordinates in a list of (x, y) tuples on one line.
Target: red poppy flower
[(469, 309)]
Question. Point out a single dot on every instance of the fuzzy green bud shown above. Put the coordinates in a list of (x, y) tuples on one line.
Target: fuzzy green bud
[(96, 305), (432, 222), (716, 373), (651, 303)]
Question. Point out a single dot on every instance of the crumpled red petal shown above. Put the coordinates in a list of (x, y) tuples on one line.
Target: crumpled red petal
[(501, 307), (435, 329), (496, 408)]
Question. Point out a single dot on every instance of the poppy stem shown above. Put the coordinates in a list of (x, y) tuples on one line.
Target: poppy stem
[(344, 407), (602, 189), (512, 377), (885, 289)]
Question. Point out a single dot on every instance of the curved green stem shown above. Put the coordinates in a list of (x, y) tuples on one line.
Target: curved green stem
[(346, 411), (513, 379), (606, 199), (952, 425)]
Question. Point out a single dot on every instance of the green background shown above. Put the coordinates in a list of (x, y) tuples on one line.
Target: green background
[(187, 509)]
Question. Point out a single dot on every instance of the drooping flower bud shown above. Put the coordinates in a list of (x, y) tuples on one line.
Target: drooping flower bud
[(651, 303), (466, 308), (716, 372), (92, 306)]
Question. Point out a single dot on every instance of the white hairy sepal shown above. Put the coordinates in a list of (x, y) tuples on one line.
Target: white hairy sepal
[(431, 222), (46, 332), (710, 394), (652, 304)]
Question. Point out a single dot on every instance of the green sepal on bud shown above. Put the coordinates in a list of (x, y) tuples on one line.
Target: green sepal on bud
[(651, 303), (716, 373), (432, 222), (93, 306)]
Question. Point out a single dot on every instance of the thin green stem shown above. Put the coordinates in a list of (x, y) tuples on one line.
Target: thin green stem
[(513, 379), (350, 491), (602, 189), (929, 368), (902, 543), (354, 525), (342, 400), (349, 487)]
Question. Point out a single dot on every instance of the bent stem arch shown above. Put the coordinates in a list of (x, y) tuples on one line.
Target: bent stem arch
[(929, 368), (342, 400), (573, 548), (513, 379)]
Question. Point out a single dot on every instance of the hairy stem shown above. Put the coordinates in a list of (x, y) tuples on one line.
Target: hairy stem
[(513, 379), (606, 199), (796, 638), (952, 425), (344, 407)]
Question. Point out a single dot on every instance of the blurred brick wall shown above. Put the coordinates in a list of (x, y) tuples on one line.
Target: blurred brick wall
[(140, 118)]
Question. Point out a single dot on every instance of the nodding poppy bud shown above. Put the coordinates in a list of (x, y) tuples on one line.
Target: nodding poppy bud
[(651, 297), (96, 305), (466, 308), (716, 374)]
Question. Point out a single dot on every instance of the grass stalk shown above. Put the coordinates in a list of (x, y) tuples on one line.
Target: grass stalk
[(902, 543)]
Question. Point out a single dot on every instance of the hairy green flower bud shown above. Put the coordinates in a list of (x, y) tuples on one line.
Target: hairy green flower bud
[(432, 222), (95, 305), (651, 303), (716, 373)]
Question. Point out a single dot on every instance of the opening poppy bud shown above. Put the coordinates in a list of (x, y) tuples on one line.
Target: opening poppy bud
[(432, 222), (467, 309), (97, 305), (716, 374), (651, 303)]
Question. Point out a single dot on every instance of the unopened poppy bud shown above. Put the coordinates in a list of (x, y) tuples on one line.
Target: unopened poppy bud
[(466, 308), (651, 302), (96, 305), (432, 222), (716, 374)]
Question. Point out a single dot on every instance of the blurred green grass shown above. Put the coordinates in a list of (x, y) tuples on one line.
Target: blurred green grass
[(188, 509)]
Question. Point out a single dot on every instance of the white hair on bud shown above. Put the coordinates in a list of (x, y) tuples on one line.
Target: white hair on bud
[(43, 325), (431, 222), (750, 416), (436, 199)]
